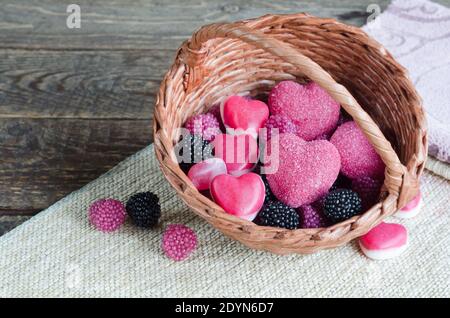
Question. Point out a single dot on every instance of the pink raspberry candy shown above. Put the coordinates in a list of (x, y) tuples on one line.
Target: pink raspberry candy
[(282, 123), (178, 241), (205, 125), (107, 215), (311, 217), (368, 190), (215, 111)]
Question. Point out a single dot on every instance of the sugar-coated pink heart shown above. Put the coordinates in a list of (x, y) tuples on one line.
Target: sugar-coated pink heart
[(202, 173), (244, 114), (310, 107), (239, 152), (306, 170), (358, 157), (240, 196)]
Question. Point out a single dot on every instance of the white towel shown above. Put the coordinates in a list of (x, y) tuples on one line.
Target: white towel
[(417, 33)]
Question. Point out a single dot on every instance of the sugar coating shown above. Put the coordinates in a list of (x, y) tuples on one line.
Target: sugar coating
[(280, 122), (205, 125), (310, 108), (311, 217), (358, 157), (306, 170), (107, 215), (178, 241)]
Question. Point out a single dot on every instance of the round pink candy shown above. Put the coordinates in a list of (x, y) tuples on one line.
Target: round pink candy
[(107, 215), (384, 241), (178, 241), (310, 108), (358, 157)]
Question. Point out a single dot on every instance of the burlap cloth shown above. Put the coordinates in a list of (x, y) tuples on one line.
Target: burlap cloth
[(58, 254)]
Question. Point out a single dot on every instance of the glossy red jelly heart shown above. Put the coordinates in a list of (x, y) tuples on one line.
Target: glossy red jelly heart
[(240, 152), (202, 173), (240, 196), (244, 115)]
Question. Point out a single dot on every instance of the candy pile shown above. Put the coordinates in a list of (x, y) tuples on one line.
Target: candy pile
[(108, 215), (297, 161)]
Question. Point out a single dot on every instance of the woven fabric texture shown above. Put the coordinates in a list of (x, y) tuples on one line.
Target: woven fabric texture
[(416, 33), (58, 254)]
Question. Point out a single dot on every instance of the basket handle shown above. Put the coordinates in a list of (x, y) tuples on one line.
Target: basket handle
[(194, 51)]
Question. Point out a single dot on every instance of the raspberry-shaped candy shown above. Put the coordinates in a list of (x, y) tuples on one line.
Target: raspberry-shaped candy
[(178, 241), (311, 217), (107, 215), (205, 125), (368, 190), (280, 122)]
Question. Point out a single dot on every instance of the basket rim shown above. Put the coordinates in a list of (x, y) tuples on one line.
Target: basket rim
[(175, 175)]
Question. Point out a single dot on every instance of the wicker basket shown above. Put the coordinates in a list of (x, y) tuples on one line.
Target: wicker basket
[(250, 57)]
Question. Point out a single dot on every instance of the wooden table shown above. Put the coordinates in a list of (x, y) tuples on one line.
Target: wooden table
[(75, 102)]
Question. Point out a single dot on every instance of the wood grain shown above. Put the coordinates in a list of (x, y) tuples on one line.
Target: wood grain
[(80, 84), (44, 159), (141, 24)]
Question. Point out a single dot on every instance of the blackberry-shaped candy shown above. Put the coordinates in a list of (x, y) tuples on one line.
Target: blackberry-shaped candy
[(144, 209), (276, 213), (341, 205), (342, 182), (269, 195), (199, 150)]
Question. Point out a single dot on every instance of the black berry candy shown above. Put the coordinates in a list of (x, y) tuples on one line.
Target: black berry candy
[(276, 213), (341, 205), (144, 209), (199, 150), (269, 195)]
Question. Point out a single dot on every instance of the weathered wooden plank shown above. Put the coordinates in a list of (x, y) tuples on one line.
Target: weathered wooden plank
[(8, 222), (81, 84), (140, 24), (42, 160)]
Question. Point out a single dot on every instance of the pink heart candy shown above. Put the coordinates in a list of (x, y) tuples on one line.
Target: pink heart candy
[(240, 196), (239, 152), (386, 240), (306, 170), (310, 107), (244, 115), (202, 173)]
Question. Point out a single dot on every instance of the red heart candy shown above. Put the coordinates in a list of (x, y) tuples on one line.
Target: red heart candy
[(240, 196), (240, 152), (248, 115), (202, 173), (306, 170), (384, 241)]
